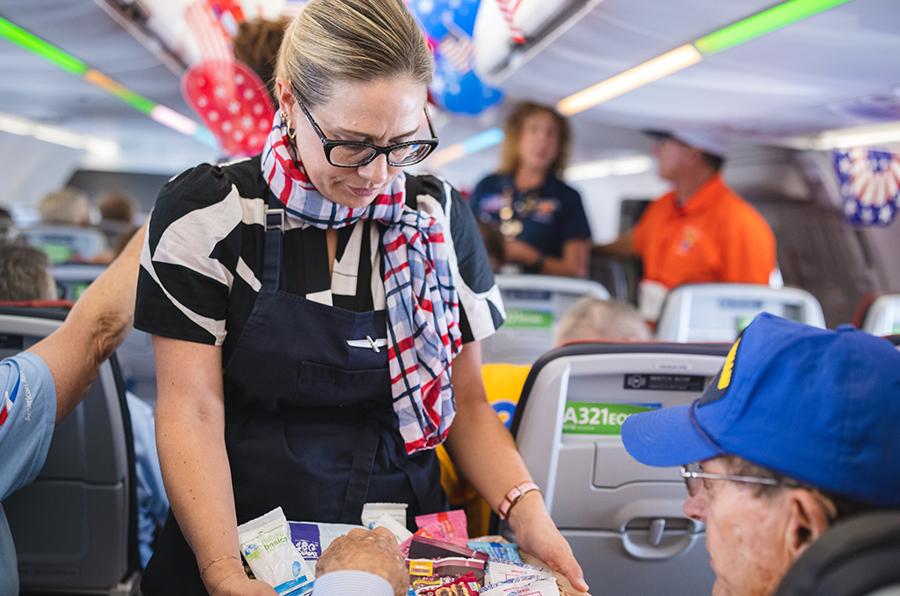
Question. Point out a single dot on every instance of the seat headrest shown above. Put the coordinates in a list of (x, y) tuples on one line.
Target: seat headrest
[(857, 556)]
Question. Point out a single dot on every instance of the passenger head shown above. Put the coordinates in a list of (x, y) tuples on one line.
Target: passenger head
[(7, 225), (361, 69), (25, 274), (536, 137), (594, 319), (65, 207), (256, 45), (683, 154), (798, 430), (116, 206)]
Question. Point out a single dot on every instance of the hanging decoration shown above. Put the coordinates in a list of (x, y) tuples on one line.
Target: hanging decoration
[(232, 100), (870, 185), (449, 25), (509, 8)]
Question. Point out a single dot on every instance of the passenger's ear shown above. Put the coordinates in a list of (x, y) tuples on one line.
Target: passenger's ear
[(807, 521)]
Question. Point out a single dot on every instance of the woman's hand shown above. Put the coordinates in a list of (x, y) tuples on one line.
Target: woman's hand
[(537, 534), (241, 585)]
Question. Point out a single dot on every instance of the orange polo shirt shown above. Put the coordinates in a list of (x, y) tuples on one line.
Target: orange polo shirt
[(715, 237)]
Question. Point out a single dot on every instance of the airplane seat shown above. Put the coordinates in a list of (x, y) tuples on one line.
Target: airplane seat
[(856, 557), (879, 315), (624, 520), (65, 243), (534, 305), (718, 312), (72, 279), (75, 526)]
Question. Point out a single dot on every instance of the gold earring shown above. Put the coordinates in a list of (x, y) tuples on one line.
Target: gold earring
[(291, 132)]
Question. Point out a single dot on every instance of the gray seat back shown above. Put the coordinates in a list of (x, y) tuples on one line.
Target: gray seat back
[(64, 243), (75, 526), (623, 520), (534, 305), (718, 312), (73, 278), (883, 315)]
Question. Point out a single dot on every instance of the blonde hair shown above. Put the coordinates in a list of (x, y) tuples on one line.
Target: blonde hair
[(351, 40), (67, 206), (512, 129), (593, 319)]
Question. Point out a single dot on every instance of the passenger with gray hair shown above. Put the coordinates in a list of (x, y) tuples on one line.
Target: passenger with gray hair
[(595, 319)]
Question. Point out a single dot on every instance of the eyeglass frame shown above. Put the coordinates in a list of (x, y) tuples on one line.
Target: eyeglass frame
[(687, 475), (328, 145)]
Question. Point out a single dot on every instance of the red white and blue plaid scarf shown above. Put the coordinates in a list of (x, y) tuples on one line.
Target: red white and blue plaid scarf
[(423, 309)]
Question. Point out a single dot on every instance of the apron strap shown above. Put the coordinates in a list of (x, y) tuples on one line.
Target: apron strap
[(272, 256)]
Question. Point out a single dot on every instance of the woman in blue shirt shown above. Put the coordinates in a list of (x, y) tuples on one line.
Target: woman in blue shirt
[(542, 217)]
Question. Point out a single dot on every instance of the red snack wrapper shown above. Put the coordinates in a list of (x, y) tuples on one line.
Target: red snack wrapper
[(461, 586), (449, 526)]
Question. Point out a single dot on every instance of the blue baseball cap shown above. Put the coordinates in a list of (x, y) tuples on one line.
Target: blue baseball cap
[(818, 406)]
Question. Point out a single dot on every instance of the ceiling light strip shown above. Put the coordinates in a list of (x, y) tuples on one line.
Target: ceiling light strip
[(160, 113), (35, 44), (763, 22), (620, 84)]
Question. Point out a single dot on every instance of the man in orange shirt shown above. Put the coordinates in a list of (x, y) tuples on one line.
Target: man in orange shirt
[(699, 232)]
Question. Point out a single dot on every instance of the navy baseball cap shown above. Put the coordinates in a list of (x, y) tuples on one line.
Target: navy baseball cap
[(818, 406)]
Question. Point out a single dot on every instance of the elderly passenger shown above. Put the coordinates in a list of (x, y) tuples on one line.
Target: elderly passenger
[(798, 431)]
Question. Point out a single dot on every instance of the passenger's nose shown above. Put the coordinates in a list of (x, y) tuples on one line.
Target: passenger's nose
[(376, 171), (695, 507)]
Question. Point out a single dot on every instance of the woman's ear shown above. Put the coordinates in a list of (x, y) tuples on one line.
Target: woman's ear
[(807, 521), (285, 94)]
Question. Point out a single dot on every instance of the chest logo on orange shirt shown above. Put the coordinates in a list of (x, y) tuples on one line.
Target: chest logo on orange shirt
[(689, 238)]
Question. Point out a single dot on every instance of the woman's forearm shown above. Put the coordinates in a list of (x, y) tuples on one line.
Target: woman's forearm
[(198, 482), (485, 452)]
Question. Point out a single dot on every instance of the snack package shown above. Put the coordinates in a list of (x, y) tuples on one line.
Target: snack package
[(428, 548), (460, 586), (446, 567), (312, 539), (273, 558), (499, 571), (525, 586), (449, 526), (389, 523), (497, 551), (372, 511)]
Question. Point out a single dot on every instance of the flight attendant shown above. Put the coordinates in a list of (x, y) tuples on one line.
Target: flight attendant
[(306, 307), (541, 217)]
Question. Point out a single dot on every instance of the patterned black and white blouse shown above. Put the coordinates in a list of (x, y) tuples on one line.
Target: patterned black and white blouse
[(201, 267)]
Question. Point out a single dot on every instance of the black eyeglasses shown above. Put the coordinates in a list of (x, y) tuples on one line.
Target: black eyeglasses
[(355, 154)]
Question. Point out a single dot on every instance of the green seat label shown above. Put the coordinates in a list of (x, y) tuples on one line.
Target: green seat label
[(592, 418), (523, 318)]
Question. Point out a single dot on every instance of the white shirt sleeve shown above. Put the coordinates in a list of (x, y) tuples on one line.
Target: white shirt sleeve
[(350, 583)]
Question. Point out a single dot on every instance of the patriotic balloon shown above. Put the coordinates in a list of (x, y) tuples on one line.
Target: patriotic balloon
[(870, 185), (233, 103)]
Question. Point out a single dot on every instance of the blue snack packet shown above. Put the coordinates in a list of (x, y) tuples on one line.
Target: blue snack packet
[(307, 539), (497, 551)]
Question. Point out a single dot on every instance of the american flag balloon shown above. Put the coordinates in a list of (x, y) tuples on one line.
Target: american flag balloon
[(870, 185), (509, 8)]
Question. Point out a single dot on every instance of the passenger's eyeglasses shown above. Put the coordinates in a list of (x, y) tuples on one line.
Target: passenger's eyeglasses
[(355, 154), (694, 476)]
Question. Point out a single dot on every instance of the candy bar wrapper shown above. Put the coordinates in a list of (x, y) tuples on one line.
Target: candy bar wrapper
[(312, 539), (372, 511), (497, 551), (445, 567), (429, 548), (498, 572), (460, 586), (450, 526), (526, 586)]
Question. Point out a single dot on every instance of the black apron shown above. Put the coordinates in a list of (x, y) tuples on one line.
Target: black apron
[(310, 425)]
